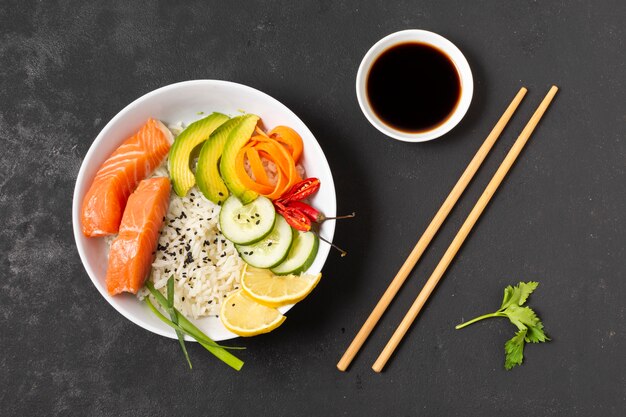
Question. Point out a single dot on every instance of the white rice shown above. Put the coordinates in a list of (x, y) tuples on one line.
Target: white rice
[(205, 265)]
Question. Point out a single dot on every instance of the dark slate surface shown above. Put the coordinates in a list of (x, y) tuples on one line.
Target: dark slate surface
[(69, 67)]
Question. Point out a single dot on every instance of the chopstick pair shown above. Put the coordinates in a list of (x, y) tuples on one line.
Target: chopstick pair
[(434, 226)]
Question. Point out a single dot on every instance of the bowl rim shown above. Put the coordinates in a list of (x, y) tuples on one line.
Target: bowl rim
[(437, 41), (80, 179)]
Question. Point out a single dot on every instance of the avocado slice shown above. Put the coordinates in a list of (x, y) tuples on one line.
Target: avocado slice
[(207, 173), (181, 152), (236, 139)]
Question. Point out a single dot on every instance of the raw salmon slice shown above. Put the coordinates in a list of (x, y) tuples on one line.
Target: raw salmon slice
[(132, 252), (133, 161)]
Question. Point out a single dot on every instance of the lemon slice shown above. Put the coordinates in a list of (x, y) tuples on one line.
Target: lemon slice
[(243, 316), (277, 290)]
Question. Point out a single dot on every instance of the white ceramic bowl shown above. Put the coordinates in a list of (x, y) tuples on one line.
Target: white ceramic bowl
[(417, 36), (182, 102)]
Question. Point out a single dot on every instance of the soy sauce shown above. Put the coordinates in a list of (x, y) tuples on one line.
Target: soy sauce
[(413, 87)]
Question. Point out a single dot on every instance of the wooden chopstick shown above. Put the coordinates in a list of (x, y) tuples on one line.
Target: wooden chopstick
[(463, 232), (429, 233)]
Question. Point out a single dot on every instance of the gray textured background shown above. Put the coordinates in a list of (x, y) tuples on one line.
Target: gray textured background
[(66, 68)]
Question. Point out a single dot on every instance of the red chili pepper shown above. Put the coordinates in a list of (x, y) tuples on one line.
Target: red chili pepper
[(280, 205), (296, 219), (301, 190), (307, 210), (312, 213)]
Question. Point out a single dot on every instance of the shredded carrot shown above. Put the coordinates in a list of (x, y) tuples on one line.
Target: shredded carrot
[(289, 137), (282, 146), (261, 132), (257, 166), (248, 182), (275, 152)]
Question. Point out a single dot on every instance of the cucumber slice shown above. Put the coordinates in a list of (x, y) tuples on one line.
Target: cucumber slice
[(301, 255), (247, 224), (270, 251)]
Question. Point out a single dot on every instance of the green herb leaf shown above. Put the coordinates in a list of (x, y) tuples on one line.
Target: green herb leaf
[(172, 313), (522, 317), (530, 328), (525, 289), (536, 334), (514, 349), (518, 295)]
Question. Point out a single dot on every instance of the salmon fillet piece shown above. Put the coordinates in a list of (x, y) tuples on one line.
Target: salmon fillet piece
[(132, 252), (133, 161)]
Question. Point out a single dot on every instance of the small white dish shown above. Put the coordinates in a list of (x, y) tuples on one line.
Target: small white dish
[(182, 102), (416, 36)]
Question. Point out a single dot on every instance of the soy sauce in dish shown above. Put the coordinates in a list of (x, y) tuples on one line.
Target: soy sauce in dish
[(413, 87)]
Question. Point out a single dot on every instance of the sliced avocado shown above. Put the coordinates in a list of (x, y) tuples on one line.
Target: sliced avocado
[(237, 138), (207, 173), (181, 153)]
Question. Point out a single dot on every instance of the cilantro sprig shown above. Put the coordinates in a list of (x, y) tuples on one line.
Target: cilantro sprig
[(530, 328)]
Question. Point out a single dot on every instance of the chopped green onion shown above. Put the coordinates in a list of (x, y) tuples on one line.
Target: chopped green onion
[(202, 337), (191, 330), (172, 313), (219, 351), (185, 325)]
